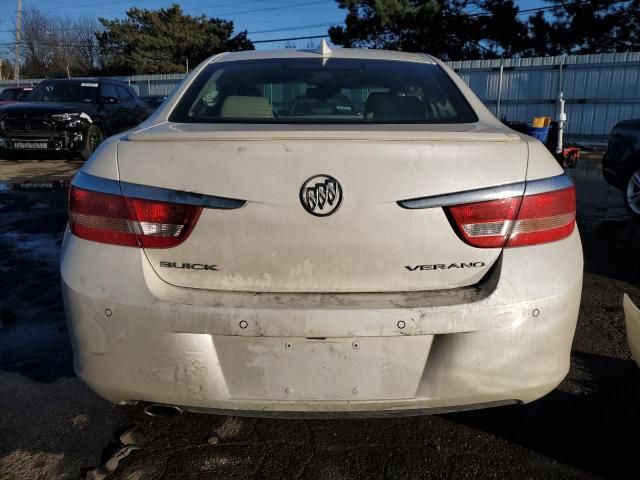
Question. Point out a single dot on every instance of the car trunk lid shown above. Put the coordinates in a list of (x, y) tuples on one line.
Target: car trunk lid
[(368, 244)]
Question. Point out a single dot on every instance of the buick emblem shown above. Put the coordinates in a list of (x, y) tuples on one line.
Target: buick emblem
[(321, 195)]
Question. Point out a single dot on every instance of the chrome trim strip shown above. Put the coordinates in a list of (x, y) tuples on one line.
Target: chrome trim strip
[(176, 196), (492, 193), (469, 196), (135, 190), (550, 184), (96, 184)]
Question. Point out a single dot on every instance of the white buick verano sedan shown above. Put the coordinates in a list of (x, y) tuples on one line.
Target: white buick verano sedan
[(322, 233)]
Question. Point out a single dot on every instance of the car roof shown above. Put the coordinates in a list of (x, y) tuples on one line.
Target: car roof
[(75, 79), (89, 79), (349, 53)]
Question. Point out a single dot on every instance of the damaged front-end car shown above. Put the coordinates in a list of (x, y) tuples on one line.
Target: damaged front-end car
[(67, 132), (70, 115), (76, 133)]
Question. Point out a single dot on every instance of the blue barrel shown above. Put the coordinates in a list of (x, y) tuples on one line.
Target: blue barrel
[(541, 133)]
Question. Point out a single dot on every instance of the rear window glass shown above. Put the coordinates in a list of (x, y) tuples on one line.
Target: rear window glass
[(65, 91), (322, 91), (9, 94)]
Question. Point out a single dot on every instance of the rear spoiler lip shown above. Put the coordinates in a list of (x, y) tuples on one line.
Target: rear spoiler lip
[(508, 190), (270, 132), (145, 192)]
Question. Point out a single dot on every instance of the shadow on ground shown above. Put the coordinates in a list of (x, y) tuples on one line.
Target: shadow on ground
[(33, 335), (593, 429), (612, 248)]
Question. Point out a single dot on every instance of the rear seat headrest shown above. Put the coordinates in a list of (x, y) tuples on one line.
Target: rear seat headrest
[(246, 107), (388, 107)]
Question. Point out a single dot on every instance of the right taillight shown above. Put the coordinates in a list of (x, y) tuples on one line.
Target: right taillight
[(517, 221), (544, 217)]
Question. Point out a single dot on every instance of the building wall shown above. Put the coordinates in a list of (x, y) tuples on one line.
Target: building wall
[(599, 90)]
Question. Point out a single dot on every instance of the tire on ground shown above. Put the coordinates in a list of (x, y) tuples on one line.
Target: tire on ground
[(627, 189), (92, 139)]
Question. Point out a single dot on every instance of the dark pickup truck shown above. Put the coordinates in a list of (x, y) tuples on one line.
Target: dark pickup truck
[(621, 162), (70, 115)]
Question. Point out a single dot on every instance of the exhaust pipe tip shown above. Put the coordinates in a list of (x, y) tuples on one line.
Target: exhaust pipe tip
[(161, 410)]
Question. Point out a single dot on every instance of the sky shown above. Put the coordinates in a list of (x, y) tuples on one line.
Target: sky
[(263, 19)]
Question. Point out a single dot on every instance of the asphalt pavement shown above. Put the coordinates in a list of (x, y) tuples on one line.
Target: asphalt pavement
[(52, 426)]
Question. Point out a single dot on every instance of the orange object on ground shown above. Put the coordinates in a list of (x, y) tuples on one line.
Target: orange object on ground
[(539, 122)]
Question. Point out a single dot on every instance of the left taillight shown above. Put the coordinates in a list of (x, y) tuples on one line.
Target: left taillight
[(133, 222)]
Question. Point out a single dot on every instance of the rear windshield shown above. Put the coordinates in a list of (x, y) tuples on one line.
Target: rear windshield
[(324, 91), (9, 94), (65, 91)]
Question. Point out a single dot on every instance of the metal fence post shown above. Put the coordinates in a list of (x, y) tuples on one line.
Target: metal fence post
[(500, 89), (561, 115)]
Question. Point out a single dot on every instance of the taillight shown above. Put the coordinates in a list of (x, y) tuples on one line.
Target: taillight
[(108, 218), (517, 221), (544, 217), (485, 224)]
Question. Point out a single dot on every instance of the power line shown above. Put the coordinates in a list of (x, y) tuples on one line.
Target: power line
[(292, 5), (222, 14), (301, 27), (310, 37), (200, 7), (274, 40), (43, 44), (90, 5), (273, 30), (117, 2)]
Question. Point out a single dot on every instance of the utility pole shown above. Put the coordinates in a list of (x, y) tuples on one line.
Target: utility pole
[(16, 68)]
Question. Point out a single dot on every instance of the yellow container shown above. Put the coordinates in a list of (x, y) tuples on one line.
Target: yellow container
[(539, 122)]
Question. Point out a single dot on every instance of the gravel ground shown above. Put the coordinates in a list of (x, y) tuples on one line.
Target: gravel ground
[(52, 426)]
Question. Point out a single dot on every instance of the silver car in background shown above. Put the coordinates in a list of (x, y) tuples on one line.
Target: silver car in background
[(322, 233)]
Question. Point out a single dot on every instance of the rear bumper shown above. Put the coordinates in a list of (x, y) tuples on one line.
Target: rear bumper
[(136, 337)]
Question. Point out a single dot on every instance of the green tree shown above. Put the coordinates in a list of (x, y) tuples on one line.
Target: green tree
[(503, 33), (597, 26), (163, 41), (466, 29), (541, 37), (444, 28)]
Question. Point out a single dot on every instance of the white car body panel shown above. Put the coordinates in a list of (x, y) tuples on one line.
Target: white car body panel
[(256, 244), (632, 320), (311, 315)]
